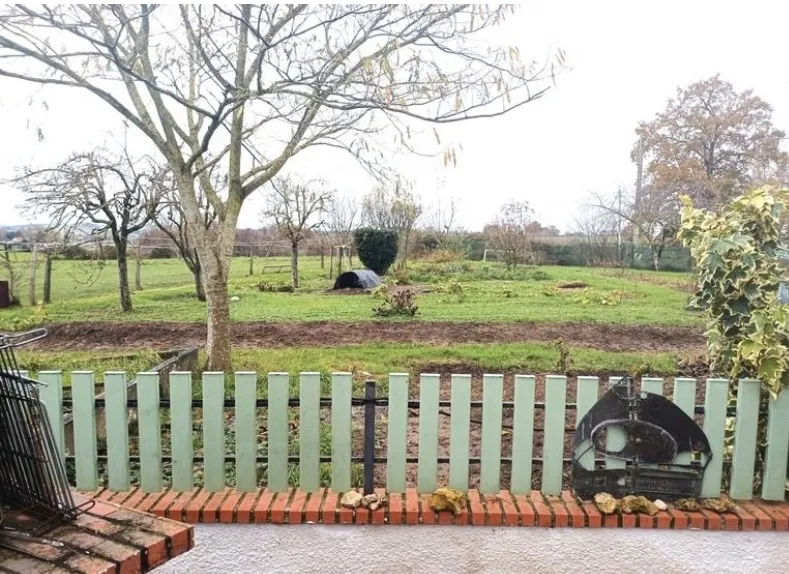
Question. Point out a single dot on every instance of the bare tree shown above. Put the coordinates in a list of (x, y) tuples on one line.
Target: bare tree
[(395, 209), (296, 209), (601, 232), (112, 193), (511, 232), (653, 216), (441, 224), (174, 223), (343, 215), (253, 85), (342, 219)]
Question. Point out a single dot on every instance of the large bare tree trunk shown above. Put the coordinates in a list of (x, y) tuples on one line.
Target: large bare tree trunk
[(218, 342), (294, 265), (198, 275), (214, 248), (123, 277)]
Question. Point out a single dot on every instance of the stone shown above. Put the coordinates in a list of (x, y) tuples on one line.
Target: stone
[(606, 503), (448, 499), (719, 505), (687, 504), (638, 504), (351, 499), (660, 505), (374, 501)]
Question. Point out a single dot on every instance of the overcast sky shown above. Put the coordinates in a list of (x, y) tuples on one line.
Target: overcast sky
[(626, 58)]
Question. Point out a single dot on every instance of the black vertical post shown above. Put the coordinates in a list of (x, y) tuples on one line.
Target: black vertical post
[(48, 279), (369, 435)]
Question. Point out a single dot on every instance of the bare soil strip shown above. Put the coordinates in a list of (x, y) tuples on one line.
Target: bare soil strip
[(159, 336)]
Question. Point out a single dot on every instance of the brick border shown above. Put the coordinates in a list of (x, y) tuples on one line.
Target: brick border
[(106, 539), (502, 509)]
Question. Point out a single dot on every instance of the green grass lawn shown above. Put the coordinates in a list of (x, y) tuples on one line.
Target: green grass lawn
[(377, 360), (82, 292)]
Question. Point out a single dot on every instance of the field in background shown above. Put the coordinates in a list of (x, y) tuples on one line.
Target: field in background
[(81, 292), (631, 301)]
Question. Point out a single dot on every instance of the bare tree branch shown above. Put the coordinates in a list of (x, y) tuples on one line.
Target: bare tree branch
[(112, 193), (296, 209), (247, 87)]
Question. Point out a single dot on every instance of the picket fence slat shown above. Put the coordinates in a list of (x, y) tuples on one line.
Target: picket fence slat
[(652, 385), (616, 437), (213, 431), (85, 447), (309, 430), (685, 395), (52, 396), (117, 417), (745, 430), (685, 398), (398, 426), (427, 470), (490, 463), (246, 430), (716, 400), (459, 434), (150, 432), (341, 431), (586, 397), (278, 414), (553, 439), (522, 434), (181, 430), (774, 479)]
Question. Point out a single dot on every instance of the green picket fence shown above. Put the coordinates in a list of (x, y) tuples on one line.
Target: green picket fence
[(242, 450)]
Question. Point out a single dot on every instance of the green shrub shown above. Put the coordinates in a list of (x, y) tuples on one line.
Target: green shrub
[(400, 302), (376, 248), (738, 277), (74, 253), (402, 277), (455, 292), (268, 287)]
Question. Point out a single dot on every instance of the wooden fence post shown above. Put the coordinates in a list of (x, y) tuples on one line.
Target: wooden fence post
[(48, 279), (138, 269), (32, 276)]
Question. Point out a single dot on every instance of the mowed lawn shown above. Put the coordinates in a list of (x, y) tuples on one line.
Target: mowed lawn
[(84, 292), (375, 361)]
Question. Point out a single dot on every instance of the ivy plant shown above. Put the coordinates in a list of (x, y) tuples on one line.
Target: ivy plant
[(738, 277)]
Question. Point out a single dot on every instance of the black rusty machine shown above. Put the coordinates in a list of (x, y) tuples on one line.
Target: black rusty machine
[(656, 431)]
